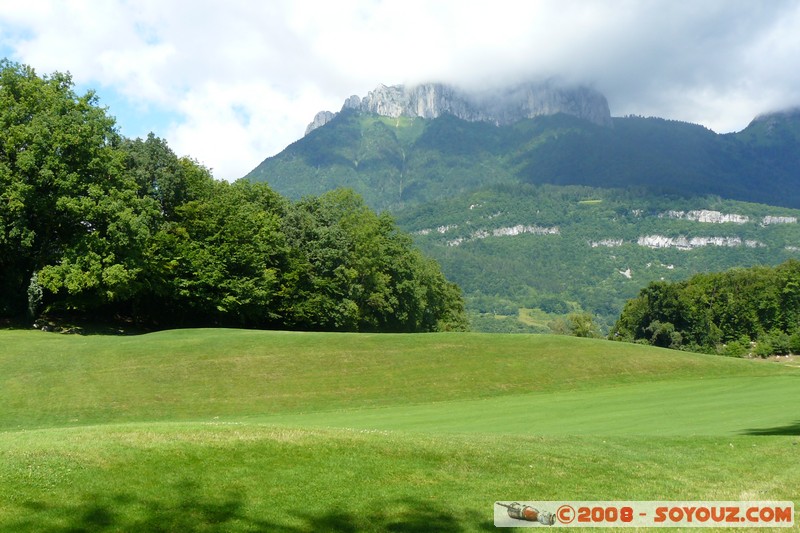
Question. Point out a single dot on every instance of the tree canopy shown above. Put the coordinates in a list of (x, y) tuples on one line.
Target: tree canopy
[(93, 222), (731, 312)]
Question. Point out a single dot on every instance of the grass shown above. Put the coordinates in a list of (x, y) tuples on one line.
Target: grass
[(406, 129), (221, 430), (728, 406), (252, 477), (536, 317), (60, 380)]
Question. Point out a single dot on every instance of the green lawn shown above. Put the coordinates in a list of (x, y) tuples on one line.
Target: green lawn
[(225, 430), (708, 407)]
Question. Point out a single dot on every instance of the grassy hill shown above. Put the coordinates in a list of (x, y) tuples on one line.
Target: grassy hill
[(224, 430)]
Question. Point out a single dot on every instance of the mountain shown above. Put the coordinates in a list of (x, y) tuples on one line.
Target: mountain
[(537, 216), (778, 127), (407, 159), (500, 107)]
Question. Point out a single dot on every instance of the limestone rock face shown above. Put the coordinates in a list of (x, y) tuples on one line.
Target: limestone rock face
[(500, 107), (320, 119)]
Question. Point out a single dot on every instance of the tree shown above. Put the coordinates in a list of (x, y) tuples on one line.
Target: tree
[(93, 222), (220, 262), (719, 312), (663, 334), (354, 270), (583, 325), (70, 220), (161, 175)]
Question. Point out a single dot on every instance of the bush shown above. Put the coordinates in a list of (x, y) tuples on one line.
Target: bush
[(663, 334), (794, 343), (764, 348), (735, 349), (781, 343)]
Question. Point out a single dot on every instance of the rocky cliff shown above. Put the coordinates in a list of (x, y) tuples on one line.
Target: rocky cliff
[(500, 107)]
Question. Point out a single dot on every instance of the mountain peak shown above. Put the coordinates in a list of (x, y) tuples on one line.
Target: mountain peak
[(499, 107), (776, 126), (788, 113)]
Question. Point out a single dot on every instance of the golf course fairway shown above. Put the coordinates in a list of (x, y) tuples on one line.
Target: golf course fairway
[(233, 430)]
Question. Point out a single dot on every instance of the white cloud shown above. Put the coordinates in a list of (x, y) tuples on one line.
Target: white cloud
[(241, 79), (235, 126)]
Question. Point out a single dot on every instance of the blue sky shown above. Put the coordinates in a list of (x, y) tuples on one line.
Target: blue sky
[(133, 119), (232, 82)]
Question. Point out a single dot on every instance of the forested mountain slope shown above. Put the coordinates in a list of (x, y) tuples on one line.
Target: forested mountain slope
[(400, 161), (556, 250), (556, 214)]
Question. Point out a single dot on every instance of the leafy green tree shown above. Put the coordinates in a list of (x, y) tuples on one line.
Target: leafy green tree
[(161, 175), (103, 265), (67, 210), (738, 348), (764, 347), (354, 270), (583, 325), (775, 342), (714, 312), (95, 223), (663, 334), (221, 260)]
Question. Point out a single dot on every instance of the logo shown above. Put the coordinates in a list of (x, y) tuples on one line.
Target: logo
[(518, 511), (745, 514)]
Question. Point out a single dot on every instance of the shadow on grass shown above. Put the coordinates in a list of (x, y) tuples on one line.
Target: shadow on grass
[(191, 512), (85, 324), (789, 429)]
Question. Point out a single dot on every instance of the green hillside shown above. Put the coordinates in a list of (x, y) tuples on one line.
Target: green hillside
[(569, 249), (408, 161), (555, 215), (390, 162), (225, 430)]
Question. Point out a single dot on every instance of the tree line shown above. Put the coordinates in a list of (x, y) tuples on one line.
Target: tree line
[(740, 311), (95, 223)]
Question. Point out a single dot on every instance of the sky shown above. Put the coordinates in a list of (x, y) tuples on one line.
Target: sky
[(231, 82)]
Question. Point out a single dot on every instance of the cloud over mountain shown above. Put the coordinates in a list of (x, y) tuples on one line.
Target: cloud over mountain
[(232, 82)]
